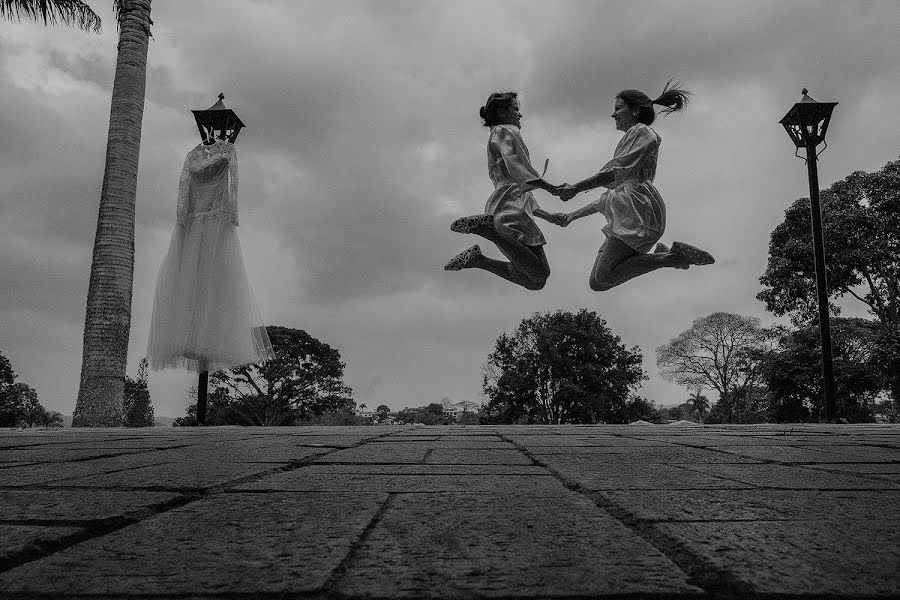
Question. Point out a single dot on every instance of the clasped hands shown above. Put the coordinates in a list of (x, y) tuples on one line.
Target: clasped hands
[(565, 192)]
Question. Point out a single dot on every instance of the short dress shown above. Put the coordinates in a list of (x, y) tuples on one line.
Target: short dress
[(512, 204), (635, 211)]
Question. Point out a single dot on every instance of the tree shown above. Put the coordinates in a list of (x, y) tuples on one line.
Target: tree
[(51, 12), (561, 367), (793, 377), (19, 405), (383, 412), (305, 378), (861, 223), (107, 323), (137, 408), (699, 404), (721, 351)]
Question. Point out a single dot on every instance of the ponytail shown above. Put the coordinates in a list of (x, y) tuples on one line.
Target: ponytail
[(673, 98)]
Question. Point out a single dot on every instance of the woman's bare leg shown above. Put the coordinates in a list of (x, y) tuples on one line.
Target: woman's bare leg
[(530, 261), (617, 262), (510, 271)]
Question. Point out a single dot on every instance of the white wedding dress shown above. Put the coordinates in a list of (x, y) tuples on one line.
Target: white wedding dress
[(204, 314)]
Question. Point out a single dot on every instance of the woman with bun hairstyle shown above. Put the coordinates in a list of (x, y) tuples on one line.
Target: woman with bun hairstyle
[(508, 219), (634, 210)]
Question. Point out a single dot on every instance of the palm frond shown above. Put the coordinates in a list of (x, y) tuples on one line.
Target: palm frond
[(51, 12)]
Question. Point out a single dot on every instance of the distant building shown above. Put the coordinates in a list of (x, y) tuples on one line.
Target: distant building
[(457, 409)]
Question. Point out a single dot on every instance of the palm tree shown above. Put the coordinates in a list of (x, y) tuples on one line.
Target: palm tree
[(51, 12), (699, 403), (107, 322)]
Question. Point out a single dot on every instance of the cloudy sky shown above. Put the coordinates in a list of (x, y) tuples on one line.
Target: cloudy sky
[(363, 144)]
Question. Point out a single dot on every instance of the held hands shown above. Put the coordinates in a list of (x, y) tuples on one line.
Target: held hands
[(566, 192), (561, 219)]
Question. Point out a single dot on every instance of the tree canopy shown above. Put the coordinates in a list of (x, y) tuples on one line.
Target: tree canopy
[(861, 226), (19, 404), (722, 351), (793, 376), (305, 378), (137, 407), (562, 367)]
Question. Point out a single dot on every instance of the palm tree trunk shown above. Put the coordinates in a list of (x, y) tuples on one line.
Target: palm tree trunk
[(107, 321)]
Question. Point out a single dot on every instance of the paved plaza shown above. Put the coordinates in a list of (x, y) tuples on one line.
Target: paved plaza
[(661, 511)]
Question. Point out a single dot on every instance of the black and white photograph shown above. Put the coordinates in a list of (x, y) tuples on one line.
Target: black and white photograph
[(372, 299)]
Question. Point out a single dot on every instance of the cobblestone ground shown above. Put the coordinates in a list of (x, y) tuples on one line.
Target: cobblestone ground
[(451, 512)]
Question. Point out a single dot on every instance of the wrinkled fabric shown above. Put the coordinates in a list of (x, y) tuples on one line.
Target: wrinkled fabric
[(634, 210), (512, 204), (205, 316)]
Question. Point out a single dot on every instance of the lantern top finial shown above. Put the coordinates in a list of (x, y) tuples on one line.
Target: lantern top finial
[(806, 97)]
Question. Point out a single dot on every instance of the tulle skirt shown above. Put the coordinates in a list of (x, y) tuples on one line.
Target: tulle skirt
[(205, 316)]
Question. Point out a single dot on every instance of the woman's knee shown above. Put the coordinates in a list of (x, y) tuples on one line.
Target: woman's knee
[(599, 284), (536, 284)]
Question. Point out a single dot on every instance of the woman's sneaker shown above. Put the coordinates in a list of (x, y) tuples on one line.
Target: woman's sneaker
[(462, 260), (691, 254), (467, 224)]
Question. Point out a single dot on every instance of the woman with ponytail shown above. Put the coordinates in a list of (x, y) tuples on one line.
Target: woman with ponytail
[(632, 206), (508, 219)]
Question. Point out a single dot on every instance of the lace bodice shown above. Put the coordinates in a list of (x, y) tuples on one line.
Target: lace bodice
[(209, 183)]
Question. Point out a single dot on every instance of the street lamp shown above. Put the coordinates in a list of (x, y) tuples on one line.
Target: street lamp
[(216, 122), (806, 123)]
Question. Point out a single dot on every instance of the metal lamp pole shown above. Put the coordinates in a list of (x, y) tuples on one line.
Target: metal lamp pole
[(807, 123)]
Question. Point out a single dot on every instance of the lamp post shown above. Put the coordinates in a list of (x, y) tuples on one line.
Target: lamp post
[(806, 123), (216, 122)]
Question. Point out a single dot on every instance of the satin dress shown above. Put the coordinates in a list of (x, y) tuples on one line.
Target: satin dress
[(634, 210)]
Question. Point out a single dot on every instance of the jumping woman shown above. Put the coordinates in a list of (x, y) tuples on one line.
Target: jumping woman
[(632, 206), (508, 219)]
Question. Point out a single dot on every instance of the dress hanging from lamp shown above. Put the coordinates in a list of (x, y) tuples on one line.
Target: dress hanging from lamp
[(205, 316)]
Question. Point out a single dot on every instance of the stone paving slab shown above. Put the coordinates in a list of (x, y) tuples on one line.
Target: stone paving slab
[(468, 545), (804, 559), (28, 539), (794, 477), (387, 453), (220, 545), (85, 505), (795, 454), (190, 476), (533, 483), (504, 512), (63, 453), (53, 471), (755, 504), (593, 475), (667, 454), (477, 456)]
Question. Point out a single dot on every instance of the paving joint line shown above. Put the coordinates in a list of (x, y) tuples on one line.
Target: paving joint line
[(716, 582)]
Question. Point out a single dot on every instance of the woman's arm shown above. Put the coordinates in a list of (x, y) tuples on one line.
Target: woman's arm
[(587, 209), (540, 212), (603, 178), (540, 183)]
